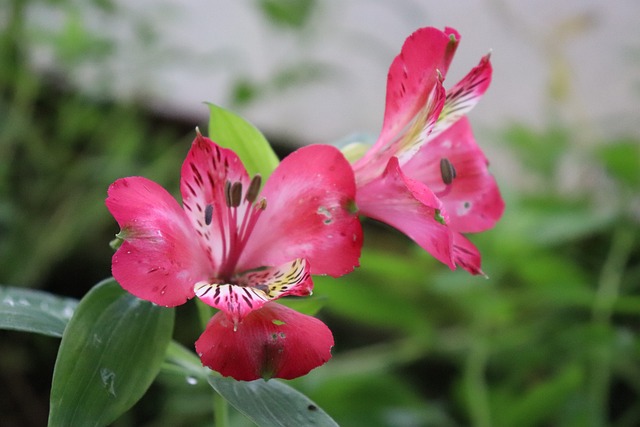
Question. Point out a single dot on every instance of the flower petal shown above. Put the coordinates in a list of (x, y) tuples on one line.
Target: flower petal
[(413, 75), (205, 172), (256, 288), (415, 97), (464, 95), (472, 200), (273, 342), (410, 207), (454, 41), (308, 215), (466, 254), (159, 260)]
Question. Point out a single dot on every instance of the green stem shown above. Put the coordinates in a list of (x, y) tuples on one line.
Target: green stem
[(220, 405), (220, 411), (606, 295)]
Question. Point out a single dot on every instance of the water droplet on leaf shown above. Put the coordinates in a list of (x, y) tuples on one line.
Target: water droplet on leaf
[(108, 378)]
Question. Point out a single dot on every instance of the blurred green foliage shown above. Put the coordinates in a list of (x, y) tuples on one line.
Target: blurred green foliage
[(287, 13), (550, 339), (61, 149)]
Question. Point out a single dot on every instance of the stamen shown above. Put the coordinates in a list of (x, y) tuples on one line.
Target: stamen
[(227, 192), (447, 171), (235, 194), (208, 214), (254, 189)]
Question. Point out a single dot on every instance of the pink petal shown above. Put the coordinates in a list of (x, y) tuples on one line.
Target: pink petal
[(159, 260), (273, 342), (454, 41), (309, 214), (256, 288), (466, 254), (205, 172), (464, 95), (413, 75), (415, 97), (472, 200), (410, 207)]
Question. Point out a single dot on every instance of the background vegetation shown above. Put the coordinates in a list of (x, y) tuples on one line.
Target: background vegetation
[(551, 339)]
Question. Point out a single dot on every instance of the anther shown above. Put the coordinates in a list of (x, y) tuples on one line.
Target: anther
[(235, 194), (447, 171), (208, 214), (254, 189), (227, 192)]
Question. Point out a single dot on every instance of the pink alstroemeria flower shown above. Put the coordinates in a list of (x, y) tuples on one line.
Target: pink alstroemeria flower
[(425, 175), (238, 248)]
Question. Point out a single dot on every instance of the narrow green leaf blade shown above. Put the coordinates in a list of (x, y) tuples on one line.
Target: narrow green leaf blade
[(29, 310), (271, 403), (232, 131), (110, 353)]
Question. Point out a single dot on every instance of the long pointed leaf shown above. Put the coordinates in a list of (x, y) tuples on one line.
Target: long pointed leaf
[(110, 353), (29, 310), (271, 403)]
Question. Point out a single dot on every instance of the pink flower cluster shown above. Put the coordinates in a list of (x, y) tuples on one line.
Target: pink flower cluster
[(239, 244)]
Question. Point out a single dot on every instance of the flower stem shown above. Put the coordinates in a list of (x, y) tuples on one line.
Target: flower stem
[(606, 295), (220, 411)]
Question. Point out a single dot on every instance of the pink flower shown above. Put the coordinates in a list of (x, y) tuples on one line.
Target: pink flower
[(238, 248), (425, 175)]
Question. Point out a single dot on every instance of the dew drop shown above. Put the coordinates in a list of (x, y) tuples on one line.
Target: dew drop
[(97, 340), (192, 380), (328, 217), (24, 302), (108, 378), (67, 312), (9, 301)]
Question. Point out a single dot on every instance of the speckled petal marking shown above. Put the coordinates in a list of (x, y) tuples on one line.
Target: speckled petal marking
[(252, 290)]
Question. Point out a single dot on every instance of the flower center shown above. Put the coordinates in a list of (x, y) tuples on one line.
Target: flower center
[(236, 222)]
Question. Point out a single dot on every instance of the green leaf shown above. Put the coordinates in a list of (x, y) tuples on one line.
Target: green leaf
[(271, 403), (110, 353), (232, 131), (308, 305), (34, 311), (179, 360), (288, 13), (541, 399), (622, 160)]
